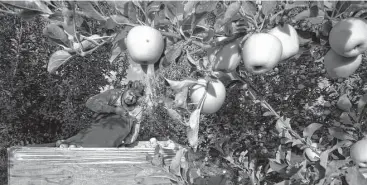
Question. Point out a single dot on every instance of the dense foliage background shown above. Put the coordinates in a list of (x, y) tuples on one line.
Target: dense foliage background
[(38, 107)]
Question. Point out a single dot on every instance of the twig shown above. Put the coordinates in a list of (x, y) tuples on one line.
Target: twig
[(362, 114), (262, 100), (272, 18), (169, 34), (8, 12), (82, 53), (339, 9)]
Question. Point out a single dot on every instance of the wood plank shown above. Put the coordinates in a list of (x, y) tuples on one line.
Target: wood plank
[(78, 166)]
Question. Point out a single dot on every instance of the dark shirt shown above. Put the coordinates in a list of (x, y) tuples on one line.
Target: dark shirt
[(109, 129)]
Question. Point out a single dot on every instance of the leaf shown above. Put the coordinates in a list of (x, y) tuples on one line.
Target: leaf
[(115, 20), (314, 9), (285, 182), (362, 103), (189, 7), (249, 7), (55, 32), (324, 156), (57, 59), (121, 6), (174, 52), (116, 52), (282, 124), (181, 98), (275, 166), (268, 7), (269, 113), (310, 129), (344, 117), (340, 134), (302, 15), (29, 14), (232, 10), (177, 86), (120, 36), (35, 5), (175, 166), (344, 103), (90, 11), (175, 116), (193, 129), (205, 6), (171, 10), (354, 176), (326, 28)]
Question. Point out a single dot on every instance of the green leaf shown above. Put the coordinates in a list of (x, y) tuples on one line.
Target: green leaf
[(282, 124), (175, 166), (29, 14), (324, 156), (231, 11), (174, 52), (310, 129), (326, 28), (275, 166), (249, 7), (302, 15), (57, 59), (120, 36), (268, 7), (35, 5), (175, 116), (177, 86), (354, 176), (314, 9), (344, 103), (344, 117), (193, 129), (340, 134), (116, 52), (189, 7), (181, 98), (55, 32), (121, 6), (90, 11), (362, 103), (115, 20), (206, 6)]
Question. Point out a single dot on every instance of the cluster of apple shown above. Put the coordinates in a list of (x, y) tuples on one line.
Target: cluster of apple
[(260, 53), (348, 41)]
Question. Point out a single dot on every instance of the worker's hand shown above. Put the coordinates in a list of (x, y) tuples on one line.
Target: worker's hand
[(121, 111), (65, 144)]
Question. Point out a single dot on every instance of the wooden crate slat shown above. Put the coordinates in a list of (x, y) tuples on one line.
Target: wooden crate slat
[(78, 166)]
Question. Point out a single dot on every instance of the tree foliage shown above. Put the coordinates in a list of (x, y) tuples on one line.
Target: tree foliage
[(47, 86)]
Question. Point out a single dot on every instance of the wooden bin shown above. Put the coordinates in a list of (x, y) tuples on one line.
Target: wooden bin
[(79, 166)]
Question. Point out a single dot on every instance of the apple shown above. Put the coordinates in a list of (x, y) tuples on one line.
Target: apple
[(215, 95), (144, 44), (349, 37), (227, 59), (289, 38), (358, 153), (338, 66), (261, 52)]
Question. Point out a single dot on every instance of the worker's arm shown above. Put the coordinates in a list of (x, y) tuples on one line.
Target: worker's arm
[(103, 102)]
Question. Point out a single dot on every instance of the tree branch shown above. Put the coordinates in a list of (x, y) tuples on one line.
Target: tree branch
[(169, 34)]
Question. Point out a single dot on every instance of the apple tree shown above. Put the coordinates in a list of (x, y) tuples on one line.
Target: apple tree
[(223, 44)]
